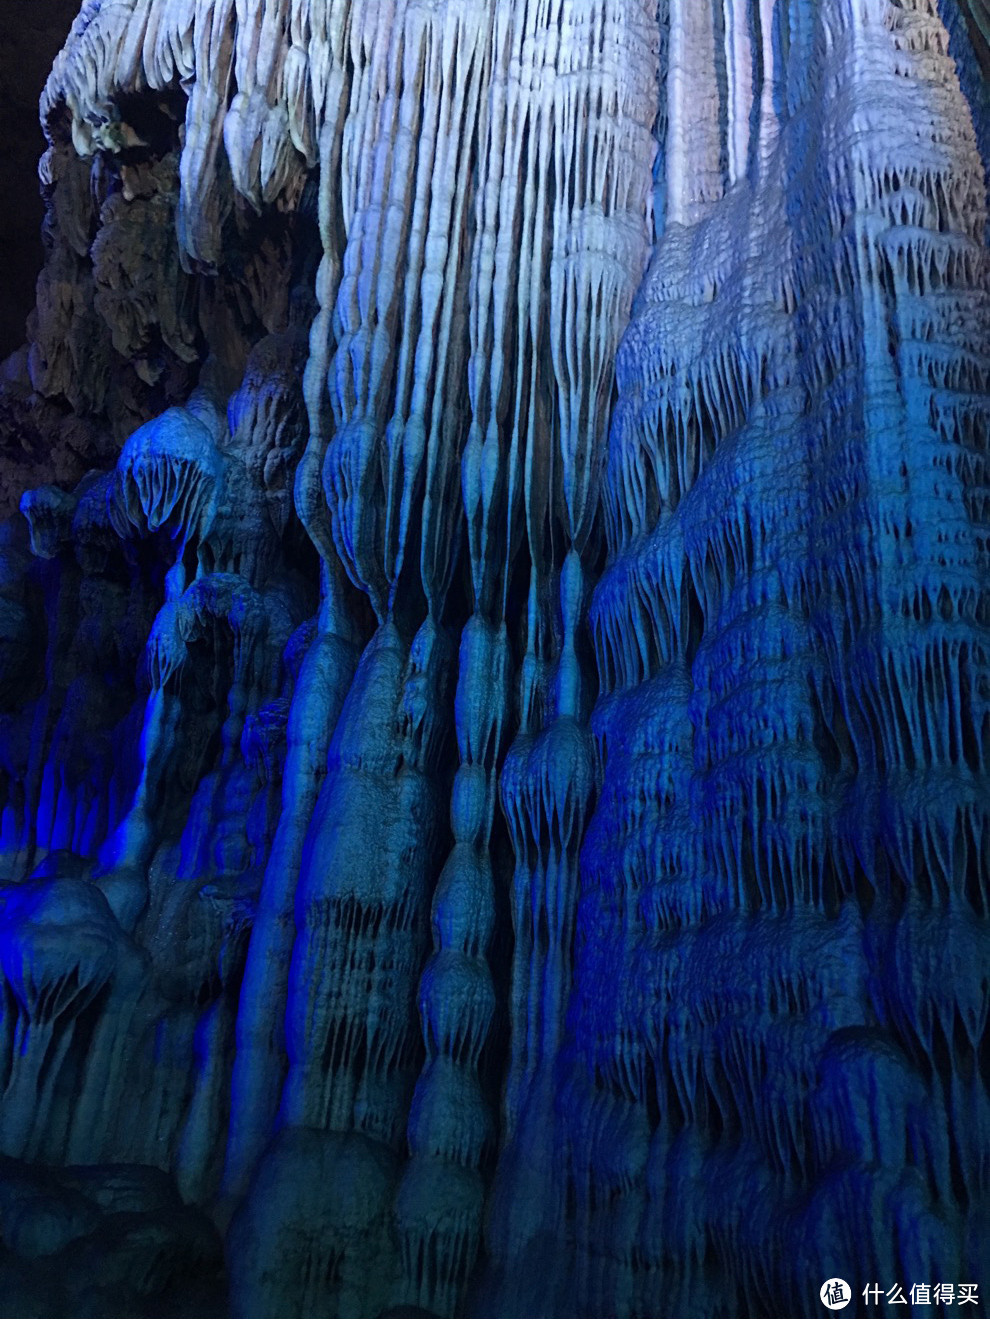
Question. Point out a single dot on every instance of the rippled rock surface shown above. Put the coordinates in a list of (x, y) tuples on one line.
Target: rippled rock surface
[(494, 669)]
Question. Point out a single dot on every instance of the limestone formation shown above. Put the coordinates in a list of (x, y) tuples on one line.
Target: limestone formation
[(494, 684)]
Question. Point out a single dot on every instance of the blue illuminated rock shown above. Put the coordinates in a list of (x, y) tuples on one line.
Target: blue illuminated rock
[(494, 770)]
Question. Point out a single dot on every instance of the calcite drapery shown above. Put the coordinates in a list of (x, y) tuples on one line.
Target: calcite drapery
[(540, 865), (790, 720)]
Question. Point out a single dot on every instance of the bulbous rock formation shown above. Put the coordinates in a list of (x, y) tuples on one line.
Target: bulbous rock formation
[(494, 686)]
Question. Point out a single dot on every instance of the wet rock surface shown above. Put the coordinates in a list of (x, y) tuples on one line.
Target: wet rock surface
[(493, 672)]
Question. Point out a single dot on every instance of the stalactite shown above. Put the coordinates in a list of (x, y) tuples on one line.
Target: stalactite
[(493, 697), (771, 509), (451, 1124)]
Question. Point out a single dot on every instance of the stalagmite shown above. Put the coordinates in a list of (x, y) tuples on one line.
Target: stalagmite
[(493, 690)]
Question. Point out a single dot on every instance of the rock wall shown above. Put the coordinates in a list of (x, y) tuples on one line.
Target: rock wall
[(495, 700), (788, 857)]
